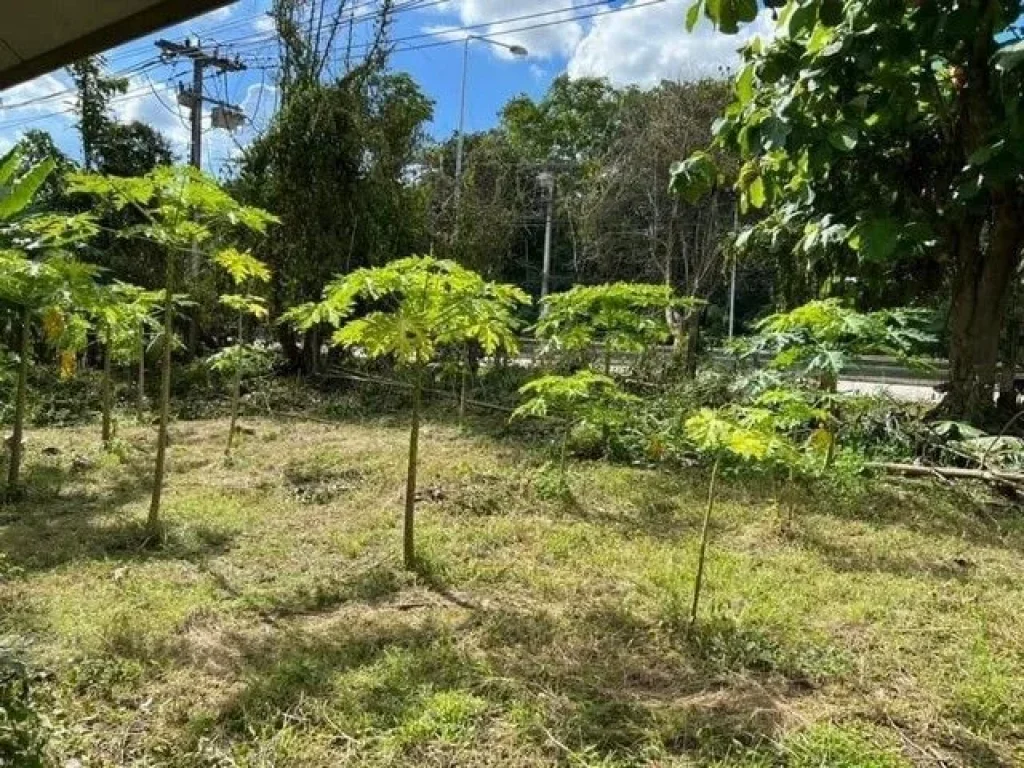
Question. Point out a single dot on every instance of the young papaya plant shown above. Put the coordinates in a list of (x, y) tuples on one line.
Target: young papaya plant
[(183, 211), (585, 398), (416, 306), (621, 317), (763, 434), (815, 342), (244, 270)]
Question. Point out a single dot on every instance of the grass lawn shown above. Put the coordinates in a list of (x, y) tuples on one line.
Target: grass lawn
[(275, 626)]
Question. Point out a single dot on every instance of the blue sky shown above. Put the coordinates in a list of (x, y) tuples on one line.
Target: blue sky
[(628, 41)]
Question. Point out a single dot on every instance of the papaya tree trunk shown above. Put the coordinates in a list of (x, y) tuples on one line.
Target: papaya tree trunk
[(699, 580), (153, 521), (17, 439), (463, 386), (236, 388), (108, 394), (140, 384), (408, 540)]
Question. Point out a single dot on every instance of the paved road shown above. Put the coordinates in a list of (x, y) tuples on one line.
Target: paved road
[(921, 393)]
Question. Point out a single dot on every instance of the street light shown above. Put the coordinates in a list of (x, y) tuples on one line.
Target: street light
[(516, 50)]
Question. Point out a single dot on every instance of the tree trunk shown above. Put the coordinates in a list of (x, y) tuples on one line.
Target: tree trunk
[(153, 521), (699, 579), (464, 383), (107, 430), (1008, 381), (236, 388), (140, 384), (981, 285), (408, 541), (17, 438)]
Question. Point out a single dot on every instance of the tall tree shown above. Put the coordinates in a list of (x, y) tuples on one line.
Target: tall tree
[(334, 165), (95, 90), (884, 131)]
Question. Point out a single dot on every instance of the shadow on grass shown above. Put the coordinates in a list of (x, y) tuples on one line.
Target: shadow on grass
[(854, 559), (600, 685), (73, 522)]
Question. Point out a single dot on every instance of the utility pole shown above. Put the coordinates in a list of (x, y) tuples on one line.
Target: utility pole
[(225, 115), (547, 181), (193, 97)]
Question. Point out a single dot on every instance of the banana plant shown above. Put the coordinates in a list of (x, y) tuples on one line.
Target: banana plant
[(244, 270), (183, 211), (417, 306)]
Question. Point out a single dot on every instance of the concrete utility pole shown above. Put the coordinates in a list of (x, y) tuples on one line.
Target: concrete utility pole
[(193, 97), (547, 182)]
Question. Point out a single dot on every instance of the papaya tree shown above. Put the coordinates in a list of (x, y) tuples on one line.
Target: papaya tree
[(884, 138), (584, 398), (28, 287), (761, 434), (244, 270), (620, 317), (816, 341), (416, 306), (121, 314), (183, 212), (45, 294)]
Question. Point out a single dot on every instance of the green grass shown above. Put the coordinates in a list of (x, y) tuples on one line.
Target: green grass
[(273, 626)]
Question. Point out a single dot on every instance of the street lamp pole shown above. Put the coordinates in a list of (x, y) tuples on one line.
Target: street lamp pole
[(515, 50)]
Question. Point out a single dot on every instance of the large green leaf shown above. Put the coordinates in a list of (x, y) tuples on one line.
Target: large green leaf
[(728, 14), (20, 194), (876, 239), (693, 15), (694, 177)]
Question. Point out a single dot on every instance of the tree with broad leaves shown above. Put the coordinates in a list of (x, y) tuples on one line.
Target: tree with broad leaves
[(244, 270), (760, 434), (874, 132), (46, 293), (180, 208), (417, 306), (585, 398), (621, 317), (121, 314), (816, 341)]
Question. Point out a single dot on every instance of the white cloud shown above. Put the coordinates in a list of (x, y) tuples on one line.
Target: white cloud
[(650, 44), (156, 105), (47, 93), (264, 23), (44, 102), (217, 14), (486, 17)]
